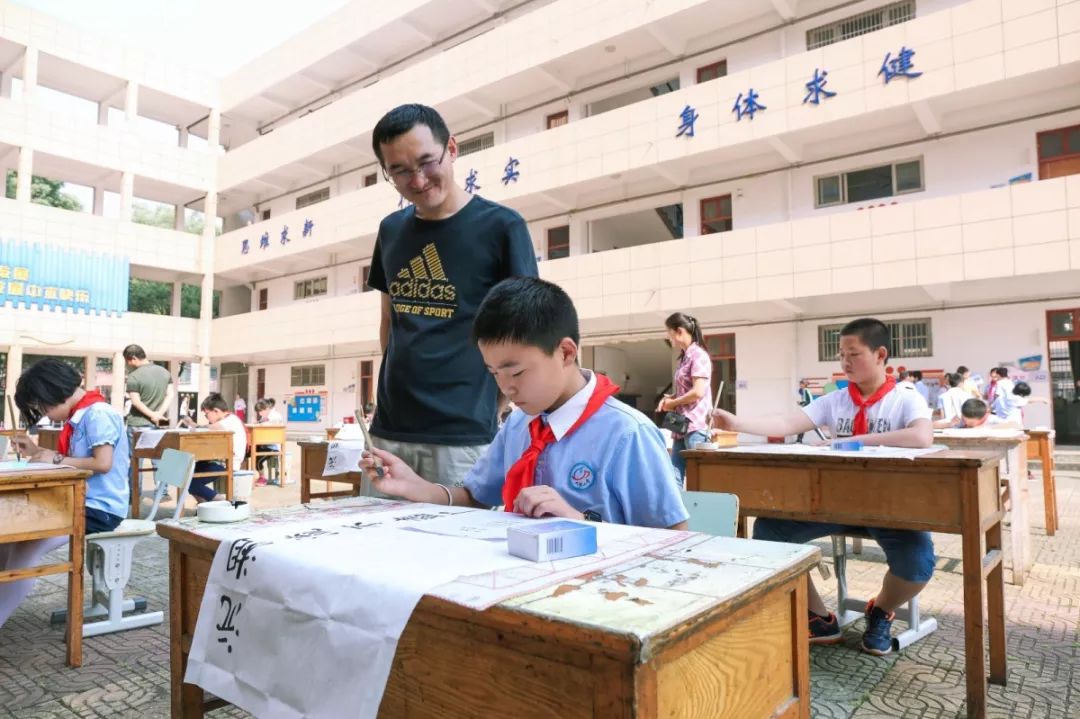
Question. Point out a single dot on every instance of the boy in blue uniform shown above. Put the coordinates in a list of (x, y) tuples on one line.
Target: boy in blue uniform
[(875, 410), (570, 449)]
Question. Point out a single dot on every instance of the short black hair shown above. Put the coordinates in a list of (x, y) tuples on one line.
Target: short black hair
[(214, 400), (1002, 372), (871, 332), (1022, 389), (902, 375), (528, 311), (974, 409), (917, 375), (46, 383), (261, 404), (403, 118), (953, 379), (962, 369), (134, 352)]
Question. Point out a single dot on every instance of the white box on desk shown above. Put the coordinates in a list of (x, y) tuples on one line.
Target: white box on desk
[(547, 541)]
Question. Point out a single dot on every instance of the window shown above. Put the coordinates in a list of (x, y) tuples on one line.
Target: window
[(371, 179), (260, 383), (869, 183), (264, 301), (312, 198), (558, 242), (366, 367), (1059, 152), (716, 214), (558, 119), (869, 21), (313, 375), (313, 287), (910, 338), (476, 144), (711, 72), (365, 272), (266, 214)]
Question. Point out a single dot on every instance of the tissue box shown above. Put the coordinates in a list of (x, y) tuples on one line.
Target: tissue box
[(547, 541)]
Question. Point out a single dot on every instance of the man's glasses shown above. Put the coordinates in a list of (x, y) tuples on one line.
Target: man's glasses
[(427, 169)]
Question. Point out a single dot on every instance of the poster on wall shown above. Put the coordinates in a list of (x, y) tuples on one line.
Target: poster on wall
[(187, 405), (305, 407)]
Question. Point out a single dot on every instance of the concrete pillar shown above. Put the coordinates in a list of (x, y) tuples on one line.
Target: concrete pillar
[(178, 219), (99, 200), (14, 369), (131, 101), (207, 296), (5, 84), (172, 411), (127, 195), (687, 77), (579, 236), (30, 74), (184, 134), (103, 113), (119, 381), (90, 371), (576, 111), (691, 213), (26, 173), (177, 297), (213, 132)]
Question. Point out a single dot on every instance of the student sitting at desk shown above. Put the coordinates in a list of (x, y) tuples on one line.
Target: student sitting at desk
[(570, 449), (93, 438), (217, 413), (875, 411), (976, 413), (264, 414)]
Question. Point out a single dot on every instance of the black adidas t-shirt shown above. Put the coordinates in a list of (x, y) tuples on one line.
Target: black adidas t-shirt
[(433, 386)]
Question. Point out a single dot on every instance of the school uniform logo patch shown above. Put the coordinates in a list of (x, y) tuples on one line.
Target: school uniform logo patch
[(582, 476)]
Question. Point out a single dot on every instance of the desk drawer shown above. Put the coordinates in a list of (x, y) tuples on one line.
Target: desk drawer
[(36, 509)]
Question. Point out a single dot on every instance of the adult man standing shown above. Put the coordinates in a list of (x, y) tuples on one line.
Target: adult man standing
[(149, 387), (434, 262)]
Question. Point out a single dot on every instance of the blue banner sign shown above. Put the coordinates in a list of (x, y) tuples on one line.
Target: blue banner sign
[(36, 275)]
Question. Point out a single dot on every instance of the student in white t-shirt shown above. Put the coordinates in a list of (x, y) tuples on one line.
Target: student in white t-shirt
[(876, 411), (217, 413), (950, 401)]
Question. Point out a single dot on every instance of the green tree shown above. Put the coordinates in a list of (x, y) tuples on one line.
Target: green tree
[(43, 191), (160, 215), (155, 298)]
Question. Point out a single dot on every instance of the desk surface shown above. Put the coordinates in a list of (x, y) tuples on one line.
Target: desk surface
[(713, 625)]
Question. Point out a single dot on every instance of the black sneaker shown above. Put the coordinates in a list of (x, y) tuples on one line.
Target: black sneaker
[(877, 639), (824, 630)]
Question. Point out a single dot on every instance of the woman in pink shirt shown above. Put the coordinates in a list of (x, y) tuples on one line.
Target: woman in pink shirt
[(693, 391)]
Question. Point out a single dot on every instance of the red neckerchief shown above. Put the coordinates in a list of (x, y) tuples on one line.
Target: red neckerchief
[(63, 445), (990, 392), (523, 473), (860, 426)]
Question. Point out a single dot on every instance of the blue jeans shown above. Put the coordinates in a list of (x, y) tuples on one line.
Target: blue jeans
[(910, 554), (689, 441), (203, 487)]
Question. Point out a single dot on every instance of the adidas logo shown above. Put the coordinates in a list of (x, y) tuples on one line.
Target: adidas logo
[(423, 278)]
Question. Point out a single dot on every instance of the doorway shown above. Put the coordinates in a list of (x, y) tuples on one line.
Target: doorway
[(1063, 335), (721, 350)]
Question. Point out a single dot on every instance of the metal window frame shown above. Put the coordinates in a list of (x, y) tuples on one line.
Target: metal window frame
[(843, 181), (305, 288), (478, 143), (867, 21), (306, 375), (313, 198), (895, 352)]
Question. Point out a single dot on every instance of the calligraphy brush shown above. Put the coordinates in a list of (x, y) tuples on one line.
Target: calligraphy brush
[(361, 418)]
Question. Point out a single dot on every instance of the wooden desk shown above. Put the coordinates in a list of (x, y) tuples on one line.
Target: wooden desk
[(1011, 446), (49, 503), (1040, 446), (956, 492), (261, 435), (210, 444), (734, 647), (312, 462), (331, 432)]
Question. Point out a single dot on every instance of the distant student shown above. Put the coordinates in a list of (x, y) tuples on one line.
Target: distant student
[(264, 414), (921, 387), (876, 411), (975, 413), (1000, 396), (570, 449), (93, 437), (216, 411), (950, 401), (967, 383), (274, 415)]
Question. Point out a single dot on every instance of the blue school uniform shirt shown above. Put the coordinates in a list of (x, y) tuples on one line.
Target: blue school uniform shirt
[(94, 426), (615, 463)]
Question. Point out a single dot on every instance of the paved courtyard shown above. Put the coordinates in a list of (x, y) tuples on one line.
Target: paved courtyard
[(127, 674)]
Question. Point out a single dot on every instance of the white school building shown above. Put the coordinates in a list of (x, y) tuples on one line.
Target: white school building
[(772, 167)]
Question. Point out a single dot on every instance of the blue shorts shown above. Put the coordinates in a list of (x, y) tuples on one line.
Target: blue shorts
[(910, 554)]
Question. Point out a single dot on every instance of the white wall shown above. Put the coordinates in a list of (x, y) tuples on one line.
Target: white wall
[(342, 387)]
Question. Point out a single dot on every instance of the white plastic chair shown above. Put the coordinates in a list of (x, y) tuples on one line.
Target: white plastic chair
[(175, 469), (714, 513)]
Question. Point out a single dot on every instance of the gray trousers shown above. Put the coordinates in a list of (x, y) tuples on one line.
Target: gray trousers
[(434, 462)]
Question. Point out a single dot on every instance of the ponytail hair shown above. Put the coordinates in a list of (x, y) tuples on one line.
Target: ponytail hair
[(680, 320)]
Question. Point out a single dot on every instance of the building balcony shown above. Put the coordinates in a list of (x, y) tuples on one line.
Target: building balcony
[(47, 332), (349, 324), (1009, 243)]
